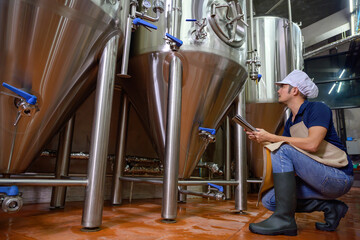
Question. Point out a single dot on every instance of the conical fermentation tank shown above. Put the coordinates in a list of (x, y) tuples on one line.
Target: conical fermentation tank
[(213, 58), (277, 55), (50, 51)]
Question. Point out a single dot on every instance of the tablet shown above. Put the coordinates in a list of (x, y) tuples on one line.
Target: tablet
[(241, 121)]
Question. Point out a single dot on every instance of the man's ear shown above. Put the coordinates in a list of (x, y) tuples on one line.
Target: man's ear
[(295, 91)]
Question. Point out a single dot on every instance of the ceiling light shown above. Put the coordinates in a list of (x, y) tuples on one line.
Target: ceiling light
[(332, 88), (342, 73), (339, 87)]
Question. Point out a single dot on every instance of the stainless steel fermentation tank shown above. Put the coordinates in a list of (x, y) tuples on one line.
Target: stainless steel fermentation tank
[(273, 45), (212, 62), (51, 50)]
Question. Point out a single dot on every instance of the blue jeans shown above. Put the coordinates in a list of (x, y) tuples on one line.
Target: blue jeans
[(314, 180)]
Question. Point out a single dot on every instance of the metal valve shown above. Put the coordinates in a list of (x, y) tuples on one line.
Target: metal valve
[(147, 25), (208, 134), (199, 32), (10, 199), (11, 204), (174, 42), (216, 191), (25, 102), (214, 168), (31, 99), (254, 63)]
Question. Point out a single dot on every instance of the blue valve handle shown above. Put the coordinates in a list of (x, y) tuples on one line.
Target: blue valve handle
[(220, 188), (31, 99), (176, 40), (10, 191), (209, 130), (191, 20), (259, 77), (139, 21)]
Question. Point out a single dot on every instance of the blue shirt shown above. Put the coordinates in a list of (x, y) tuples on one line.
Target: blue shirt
[(318, 114)]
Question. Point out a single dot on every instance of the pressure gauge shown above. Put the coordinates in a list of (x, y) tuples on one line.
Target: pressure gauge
[(146, 4)]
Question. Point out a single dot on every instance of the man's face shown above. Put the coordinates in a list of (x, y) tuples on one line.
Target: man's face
[(283, 93)]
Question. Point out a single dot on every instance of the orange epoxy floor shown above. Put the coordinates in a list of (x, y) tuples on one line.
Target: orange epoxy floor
[(198, 219)]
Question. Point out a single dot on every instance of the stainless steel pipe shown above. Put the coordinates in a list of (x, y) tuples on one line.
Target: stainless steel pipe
[(182, 196), (240, 157), (172, 145), (254, 181), (127, 41), (175, 17), (143, 180), (216, 196), (227, 157), (83, 182), (183, 182), (151, 19), (58, 195), (117, 186), (92, 212), (291, 37), (43, 182), (251, 37), (205, 182)]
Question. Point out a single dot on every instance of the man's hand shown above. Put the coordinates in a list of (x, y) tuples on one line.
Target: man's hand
[(250, 135), (260, 136)]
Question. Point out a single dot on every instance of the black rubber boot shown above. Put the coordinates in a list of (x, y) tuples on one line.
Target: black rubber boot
[(333, 210), (282, 221)]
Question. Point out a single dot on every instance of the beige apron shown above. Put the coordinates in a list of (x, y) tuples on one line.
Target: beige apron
[(327, 154)]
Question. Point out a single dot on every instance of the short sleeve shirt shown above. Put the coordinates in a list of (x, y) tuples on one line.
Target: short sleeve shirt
[(318, 114)]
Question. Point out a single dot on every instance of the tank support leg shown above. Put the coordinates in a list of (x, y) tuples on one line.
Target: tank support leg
[(58, 195), (240, 157), (94, 199), (227, 157), (117, 186), (172, 144)]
